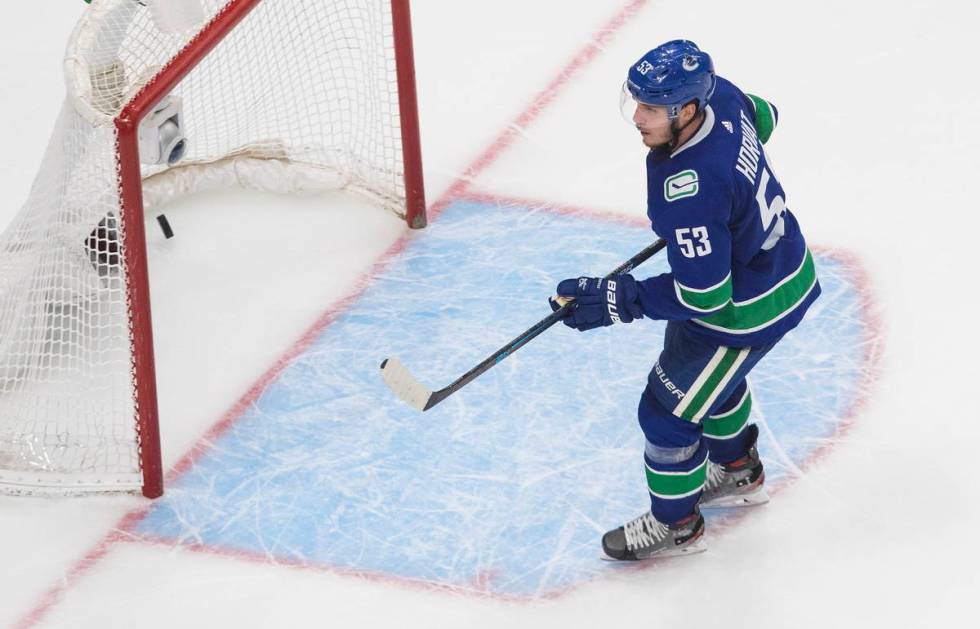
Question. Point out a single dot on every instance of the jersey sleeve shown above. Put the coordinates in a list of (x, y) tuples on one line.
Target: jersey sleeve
[(699, 251), (766, 117)]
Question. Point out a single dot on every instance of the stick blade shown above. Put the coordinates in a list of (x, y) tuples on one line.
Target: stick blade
[(404, 385)]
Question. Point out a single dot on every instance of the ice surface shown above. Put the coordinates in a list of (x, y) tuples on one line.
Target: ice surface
[(877, 148), (507, 486)]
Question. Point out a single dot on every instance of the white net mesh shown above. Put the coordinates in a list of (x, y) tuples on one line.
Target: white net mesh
[(301, 96)]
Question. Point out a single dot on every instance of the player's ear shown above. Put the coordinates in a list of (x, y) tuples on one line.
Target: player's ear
[(690, 110)]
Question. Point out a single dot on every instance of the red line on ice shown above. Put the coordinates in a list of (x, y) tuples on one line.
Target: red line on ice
[(541, 101), (53, 595), (459, 190), (555, 208), (478, 590)]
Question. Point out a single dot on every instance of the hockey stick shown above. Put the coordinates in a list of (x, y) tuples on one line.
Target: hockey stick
[(407, 387)]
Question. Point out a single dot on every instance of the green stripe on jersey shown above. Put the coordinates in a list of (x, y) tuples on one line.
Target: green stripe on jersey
[(762, 311), (705, 300), (676, 484), (727, 425), (765, 121)]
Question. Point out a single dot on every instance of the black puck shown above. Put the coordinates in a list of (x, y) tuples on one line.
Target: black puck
[(165, 226)]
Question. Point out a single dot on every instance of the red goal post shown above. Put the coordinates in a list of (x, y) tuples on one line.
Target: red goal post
[(270, 94)]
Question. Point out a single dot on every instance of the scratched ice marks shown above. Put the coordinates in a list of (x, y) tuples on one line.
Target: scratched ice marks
[(507, 486)]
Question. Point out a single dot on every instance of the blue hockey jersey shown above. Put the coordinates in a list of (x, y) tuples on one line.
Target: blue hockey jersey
[(741, 273)]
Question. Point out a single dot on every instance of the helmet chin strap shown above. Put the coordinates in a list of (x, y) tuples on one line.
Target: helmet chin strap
[(675, 134)]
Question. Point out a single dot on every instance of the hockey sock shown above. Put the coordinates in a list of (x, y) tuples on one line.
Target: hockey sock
[(724, 431), (675, 487)]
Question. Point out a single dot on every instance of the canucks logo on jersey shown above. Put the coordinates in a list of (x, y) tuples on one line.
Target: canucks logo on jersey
[(683, 184)]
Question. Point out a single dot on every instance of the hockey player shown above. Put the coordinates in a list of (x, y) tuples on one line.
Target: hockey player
[(741, 277)]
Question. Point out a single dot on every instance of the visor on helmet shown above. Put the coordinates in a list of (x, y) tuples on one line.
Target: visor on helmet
[(628, 104)]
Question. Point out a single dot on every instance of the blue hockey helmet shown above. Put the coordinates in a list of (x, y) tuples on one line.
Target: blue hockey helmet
[(672, 75)]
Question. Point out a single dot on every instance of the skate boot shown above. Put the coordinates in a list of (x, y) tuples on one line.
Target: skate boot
[(645, 538), (736, 484)]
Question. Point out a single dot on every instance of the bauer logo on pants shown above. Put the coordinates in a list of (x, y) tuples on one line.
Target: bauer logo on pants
[(683, 184)]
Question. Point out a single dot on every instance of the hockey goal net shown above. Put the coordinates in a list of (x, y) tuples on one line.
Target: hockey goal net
[(163, 98)]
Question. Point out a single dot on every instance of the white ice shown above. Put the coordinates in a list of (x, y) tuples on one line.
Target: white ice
[(877, 147)]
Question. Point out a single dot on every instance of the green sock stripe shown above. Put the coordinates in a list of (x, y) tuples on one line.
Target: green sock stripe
[(708, 388), (676, 484), (731, 423), (764, 120)]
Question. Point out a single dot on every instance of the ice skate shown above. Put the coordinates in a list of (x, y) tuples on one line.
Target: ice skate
[(646, 538), (736, 484)]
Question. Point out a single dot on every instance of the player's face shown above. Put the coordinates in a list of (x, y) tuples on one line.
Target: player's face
[(653, 123)]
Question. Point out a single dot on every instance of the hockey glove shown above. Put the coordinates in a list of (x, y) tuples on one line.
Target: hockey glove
[(599, 302)]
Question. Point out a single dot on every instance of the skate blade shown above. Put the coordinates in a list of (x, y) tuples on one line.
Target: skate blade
[(697, 546), (753, 498)]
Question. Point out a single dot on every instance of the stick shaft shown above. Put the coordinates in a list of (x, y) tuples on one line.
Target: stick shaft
[(536, 329)]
